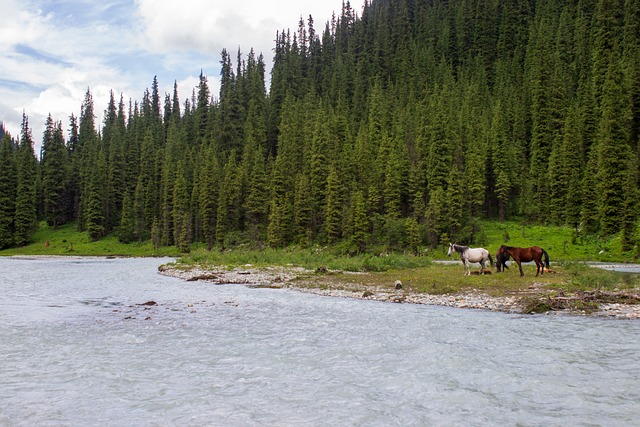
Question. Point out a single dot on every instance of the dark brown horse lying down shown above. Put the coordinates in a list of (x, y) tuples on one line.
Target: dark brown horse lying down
[(519, 255)]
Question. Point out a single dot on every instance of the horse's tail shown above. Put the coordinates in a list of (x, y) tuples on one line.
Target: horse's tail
[(490, 260), (546, 258)]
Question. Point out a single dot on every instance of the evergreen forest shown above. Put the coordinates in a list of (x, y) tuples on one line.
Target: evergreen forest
[(397, 125)]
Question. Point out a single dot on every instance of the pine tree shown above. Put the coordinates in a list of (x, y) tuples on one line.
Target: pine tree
[(302, 210), (573, 164), (202, 110), (54, 166), (454, 201), (8, 187), (435, 215), (94, 218), (413, 235), (438, 152), (631, 60), (208, 195), (93, 179), (332, 211), (630, 205), (613, 150), (280, 207), (140, 226), (539, 67), (393, 184), (278, 223), (126, 229), (176, 150), (73, 188), (229, 212), (607, 34), (360, 236), (319, 168), (256, 202), (589, 215), (116, 170), (25, 221), (181, 212)]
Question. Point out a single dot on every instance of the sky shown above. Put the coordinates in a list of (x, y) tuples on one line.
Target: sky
[(52, 51)]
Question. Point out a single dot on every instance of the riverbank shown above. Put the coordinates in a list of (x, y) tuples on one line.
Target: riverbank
[(536, 298)]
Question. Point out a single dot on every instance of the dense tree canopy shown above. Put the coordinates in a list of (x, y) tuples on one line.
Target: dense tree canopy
[(399, 126)]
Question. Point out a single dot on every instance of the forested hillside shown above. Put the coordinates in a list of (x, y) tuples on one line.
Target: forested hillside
[(398, 125)]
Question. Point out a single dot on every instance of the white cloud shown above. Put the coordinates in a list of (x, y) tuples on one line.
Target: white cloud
[(18, 25), (51, 52), (211, 25)]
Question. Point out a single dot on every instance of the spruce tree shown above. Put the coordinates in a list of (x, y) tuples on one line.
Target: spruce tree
[(8, 187), (573, 163), (25, 221), (181, 212), (140, 226), (393, 184), (94, 217), (116, 169), (126, 229), (332, 209), (208, 195), (360, 235), (630, 208), (302, 210), (613, 150), (226, 215), (590, 223), (435, 215), (319, 168), (455, 201), (54, 166), (277, 235)]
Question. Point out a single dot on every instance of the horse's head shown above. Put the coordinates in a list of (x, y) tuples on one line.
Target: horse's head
[(501, 260), (501, 250), (451, 249)]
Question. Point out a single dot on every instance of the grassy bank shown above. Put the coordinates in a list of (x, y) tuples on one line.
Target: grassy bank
[(67, 240), (448, 278), (562, 244)]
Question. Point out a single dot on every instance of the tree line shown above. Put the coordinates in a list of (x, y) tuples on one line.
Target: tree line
[(401, 126)]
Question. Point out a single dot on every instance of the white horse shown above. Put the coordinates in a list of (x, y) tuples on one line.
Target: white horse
[(468, 255)]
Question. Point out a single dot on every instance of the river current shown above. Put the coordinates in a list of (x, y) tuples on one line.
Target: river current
[(105, 342)]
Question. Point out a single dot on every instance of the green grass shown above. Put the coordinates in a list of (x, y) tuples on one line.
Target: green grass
[(67, 240), (441, 279), (309, 258), (562, 243)]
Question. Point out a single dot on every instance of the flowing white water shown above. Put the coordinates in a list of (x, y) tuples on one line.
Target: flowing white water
[(78, 349)]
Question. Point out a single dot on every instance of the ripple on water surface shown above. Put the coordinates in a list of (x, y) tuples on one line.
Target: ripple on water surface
[(82, 344)]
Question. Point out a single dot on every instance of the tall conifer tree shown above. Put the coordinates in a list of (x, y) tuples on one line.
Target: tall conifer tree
[(25, 221), (8, 188)]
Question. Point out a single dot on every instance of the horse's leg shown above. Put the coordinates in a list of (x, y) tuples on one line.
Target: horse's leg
[(482, 266), (520, 267)]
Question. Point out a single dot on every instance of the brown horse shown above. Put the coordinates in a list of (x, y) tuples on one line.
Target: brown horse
[(534, 253)]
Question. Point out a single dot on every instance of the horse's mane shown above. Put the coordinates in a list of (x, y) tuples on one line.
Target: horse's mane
[(460, 246)]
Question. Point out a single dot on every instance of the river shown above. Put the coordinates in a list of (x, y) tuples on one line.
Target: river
[(103, 342)]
